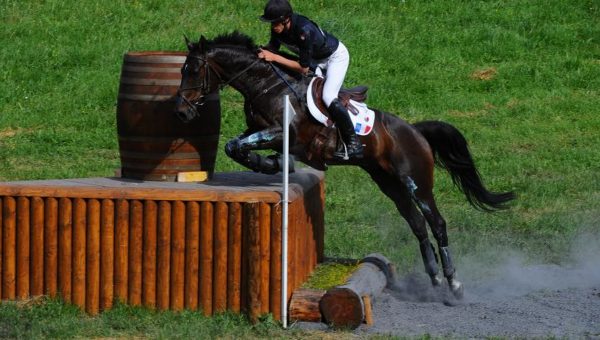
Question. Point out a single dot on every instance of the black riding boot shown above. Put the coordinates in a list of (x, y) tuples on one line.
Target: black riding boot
[(353, 148)]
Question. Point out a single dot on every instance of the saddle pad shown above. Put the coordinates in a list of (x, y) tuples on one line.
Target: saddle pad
[(363, 120)]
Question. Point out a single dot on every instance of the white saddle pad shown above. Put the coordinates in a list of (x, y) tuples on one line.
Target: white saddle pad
[(363, 121)]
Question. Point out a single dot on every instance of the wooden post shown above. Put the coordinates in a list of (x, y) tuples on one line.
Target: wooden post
[(234, 259), (92, 296), (368, 310), (264, 239), (107, 255), (304, 305), (252, 220), (275, 263), (37, 246), (79, 252), (192, 254), (121, 250), (163, 269), (9, 212), (65, 250), (23, 247), (206, 257), (343, 306), (136, 230), (51, 247), (149, 254), (220, 258), (177, 256)]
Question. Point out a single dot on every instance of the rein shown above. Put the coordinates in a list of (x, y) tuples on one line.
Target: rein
[(222, 84)]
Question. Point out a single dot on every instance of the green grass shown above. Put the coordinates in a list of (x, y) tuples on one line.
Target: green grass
[(532, 123), (49, 318)]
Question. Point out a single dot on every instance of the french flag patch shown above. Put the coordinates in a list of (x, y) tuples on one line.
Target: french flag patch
[(358, 128)]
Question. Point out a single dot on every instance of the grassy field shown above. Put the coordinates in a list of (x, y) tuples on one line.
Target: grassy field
[(521, 80)]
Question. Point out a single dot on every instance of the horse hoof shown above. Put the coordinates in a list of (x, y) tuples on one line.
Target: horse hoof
[(456, 287), (436, 281)]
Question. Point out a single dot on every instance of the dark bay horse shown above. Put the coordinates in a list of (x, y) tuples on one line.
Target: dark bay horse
[(398, 156)]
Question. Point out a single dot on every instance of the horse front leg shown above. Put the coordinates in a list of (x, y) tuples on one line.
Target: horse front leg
[(240, 150)]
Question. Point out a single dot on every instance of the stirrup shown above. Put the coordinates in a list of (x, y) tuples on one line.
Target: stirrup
[(345, 155)]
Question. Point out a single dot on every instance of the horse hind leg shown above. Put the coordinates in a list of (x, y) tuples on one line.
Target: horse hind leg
[(426, 203), (407, 209)]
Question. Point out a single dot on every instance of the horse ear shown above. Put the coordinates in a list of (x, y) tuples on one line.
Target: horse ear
[(188, 42), (202, 44)]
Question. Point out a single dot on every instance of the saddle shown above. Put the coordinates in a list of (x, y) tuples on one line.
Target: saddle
[(357, 94)]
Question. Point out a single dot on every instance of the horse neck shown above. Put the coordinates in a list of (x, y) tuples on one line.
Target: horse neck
[(242, 71)]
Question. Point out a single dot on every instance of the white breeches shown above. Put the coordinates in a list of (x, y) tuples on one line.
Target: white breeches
[(335, 68)]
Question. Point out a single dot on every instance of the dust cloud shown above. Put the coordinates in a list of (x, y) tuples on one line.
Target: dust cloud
[(507, 273), (513, 275)]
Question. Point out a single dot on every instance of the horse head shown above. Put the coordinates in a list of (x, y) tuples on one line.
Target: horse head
[(198, 79)]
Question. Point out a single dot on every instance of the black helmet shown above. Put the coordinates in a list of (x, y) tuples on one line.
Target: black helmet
[(276, 10)]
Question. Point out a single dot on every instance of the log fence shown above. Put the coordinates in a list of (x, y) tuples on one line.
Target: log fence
[(214, 246)]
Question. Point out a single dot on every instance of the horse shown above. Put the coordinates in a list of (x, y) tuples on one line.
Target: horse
[(399, 157)]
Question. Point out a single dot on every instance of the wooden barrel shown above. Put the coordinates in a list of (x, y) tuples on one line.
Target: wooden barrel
[(154, 143)]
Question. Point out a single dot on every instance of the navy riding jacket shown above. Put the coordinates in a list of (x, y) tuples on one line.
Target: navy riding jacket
[(306, 39)]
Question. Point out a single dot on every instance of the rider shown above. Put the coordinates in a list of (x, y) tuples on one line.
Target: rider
[(316, 49)]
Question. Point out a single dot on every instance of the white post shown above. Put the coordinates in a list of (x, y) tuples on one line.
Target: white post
[(287, 112)]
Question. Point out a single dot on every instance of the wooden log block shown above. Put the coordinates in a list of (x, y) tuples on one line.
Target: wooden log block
[(65, 248), (275, 263), (343, 306), (234, 259), (368, 310), (37, 247), (23, 247), (51, 247), (79, 252), (149, 254), (192, 176), (136, 232), (244, 295), (304, 305), (92, 289), (177, 256), (220, 258), (163, 267), (252, 220), (9, 255), (107, 254), (192, 254), (264, 239), (121, 250), (206, 257)]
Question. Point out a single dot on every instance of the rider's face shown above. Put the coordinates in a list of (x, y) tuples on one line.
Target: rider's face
[(278, 27)]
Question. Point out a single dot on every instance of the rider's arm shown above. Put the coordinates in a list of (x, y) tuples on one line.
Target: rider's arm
[(291, 64)]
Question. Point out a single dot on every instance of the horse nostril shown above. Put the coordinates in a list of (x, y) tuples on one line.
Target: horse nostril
[(183, 116)]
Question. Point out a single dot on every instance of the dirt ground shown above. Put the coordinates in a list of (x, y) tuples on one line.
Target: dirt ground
[(512, 299), (567, 312)]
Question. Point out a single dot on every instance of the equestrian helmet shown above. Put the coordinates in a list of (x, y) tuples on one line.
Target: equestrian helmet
[(276, 11)]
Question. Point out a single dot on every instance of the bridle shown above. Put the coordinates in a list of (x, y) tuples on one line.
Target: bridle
[(205, 82)]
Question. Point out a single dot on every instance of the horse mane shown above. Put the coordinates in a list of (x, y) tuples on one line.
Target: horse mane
[(234, 38)]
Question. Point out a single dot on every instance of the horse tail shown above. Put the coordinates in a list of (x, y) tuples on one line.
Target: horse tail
[(451, 152)]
